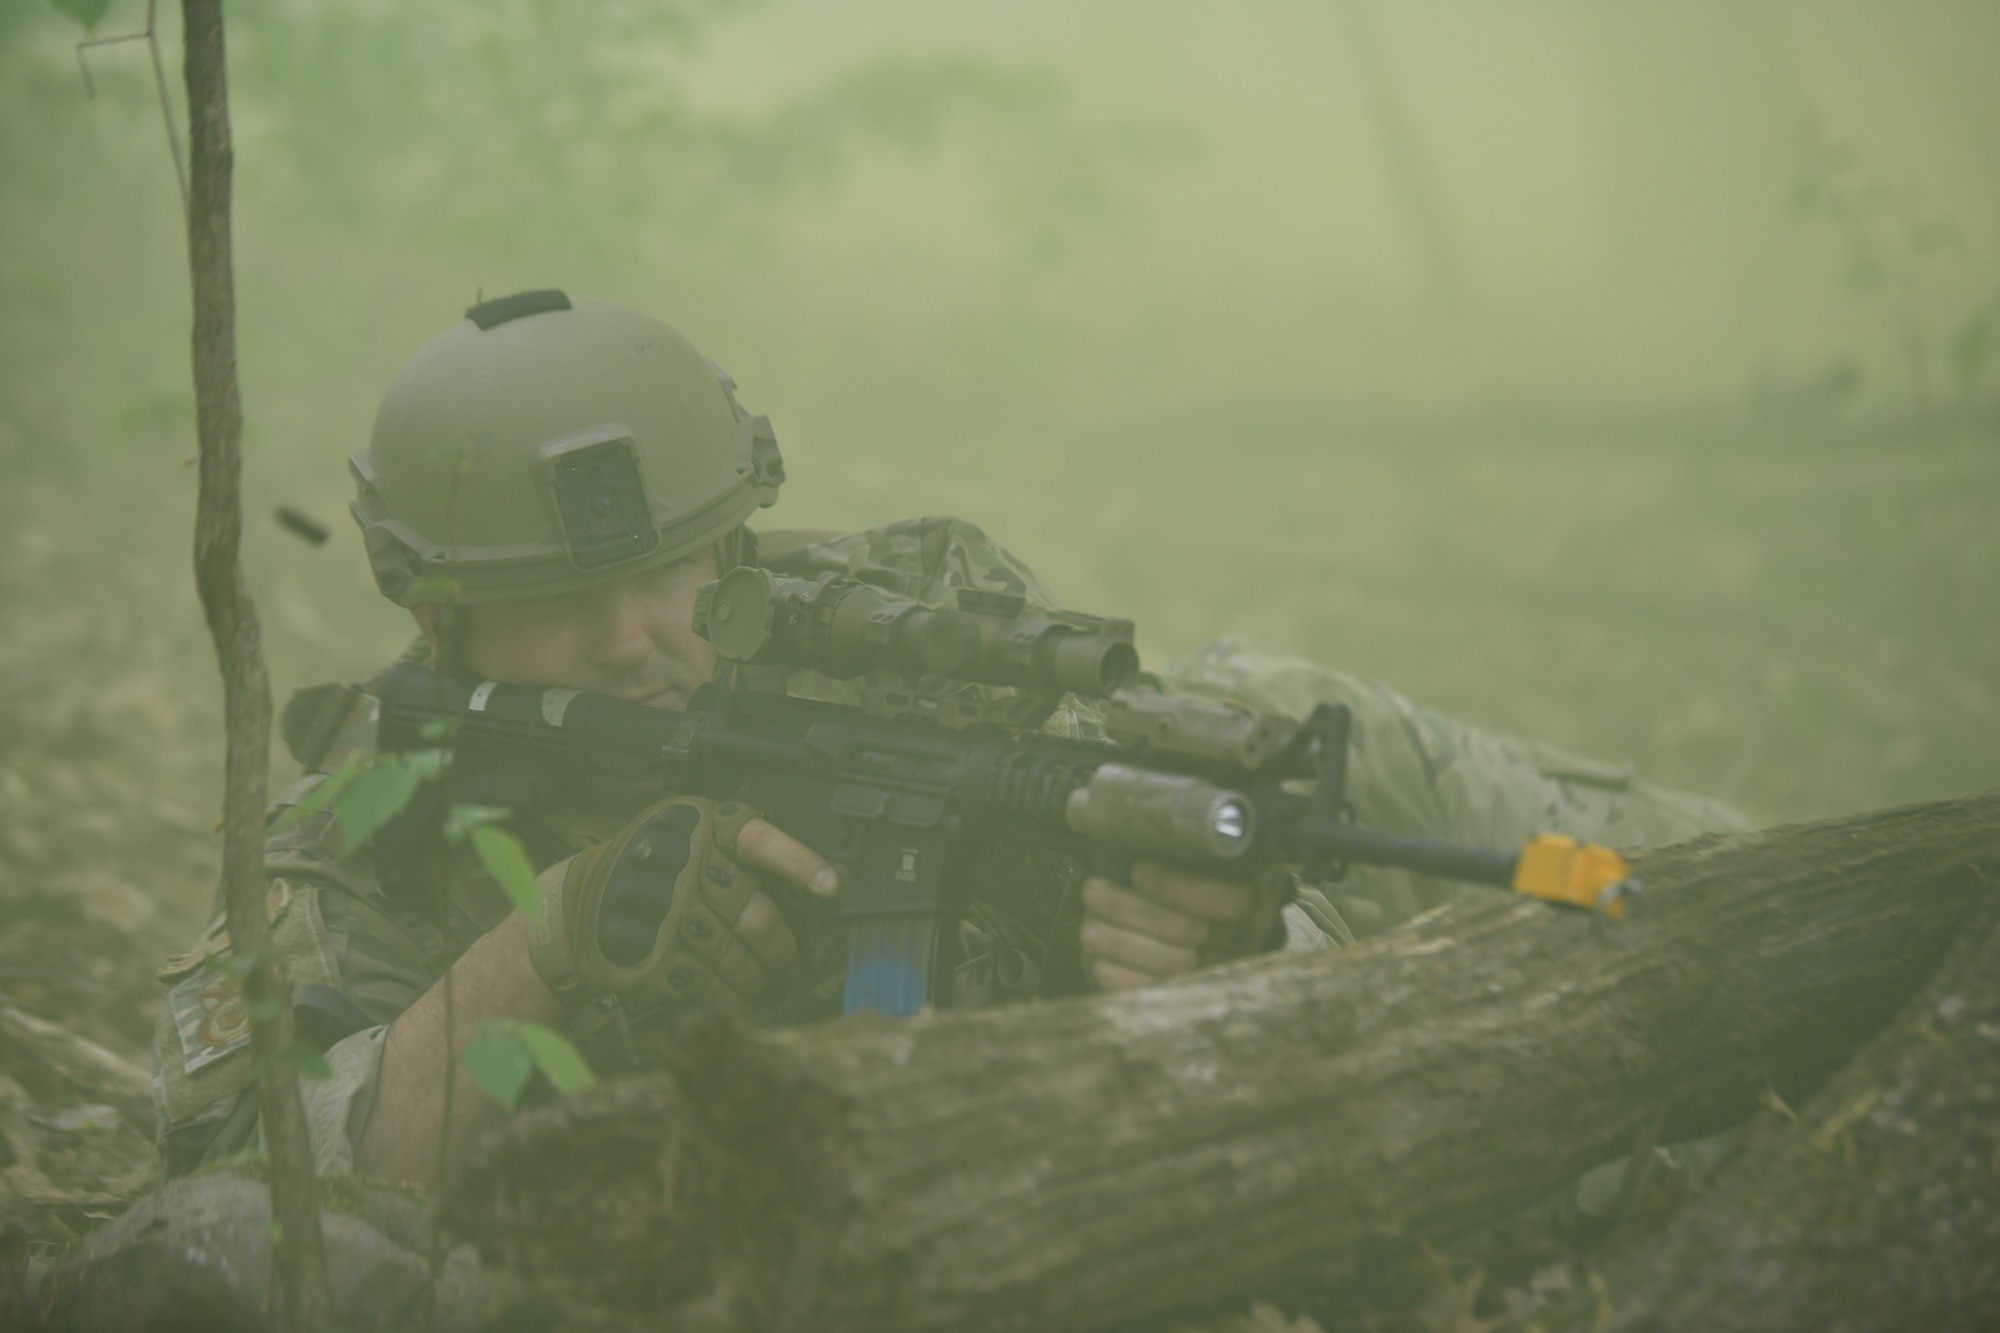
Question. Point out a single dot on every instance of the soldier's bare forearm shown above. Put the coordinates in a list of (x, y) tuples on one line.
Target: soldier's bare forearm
[(493, 979)]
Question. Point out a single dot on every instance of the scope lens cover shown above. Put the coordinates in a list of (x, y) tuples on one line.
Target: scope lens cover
[(739, 612)]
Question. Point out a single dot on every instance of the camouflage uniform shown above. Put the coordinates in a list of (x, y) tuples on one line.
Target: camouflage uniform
[(341, 925)]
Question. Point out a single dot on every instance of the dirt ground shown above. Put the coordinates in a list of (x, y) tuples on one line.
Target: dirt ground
[(107, 775)]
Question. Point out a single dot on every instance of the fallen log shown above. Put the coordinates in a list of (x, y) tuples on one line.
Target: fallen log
[(1873, 1210), (1089, 1163)]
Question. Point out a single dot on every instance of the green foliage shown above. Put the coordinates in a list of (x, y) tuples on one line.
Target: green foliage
[(303, 1058), (237, 963), (502, 1056), (367, 792), (499, 1062), (424, 765), (1891, 247), (463, 819), (374, 797), (505, 859), (1163, 432), (316, 800), (86, 12), (560, 1062), (437, 588), (596, 120)]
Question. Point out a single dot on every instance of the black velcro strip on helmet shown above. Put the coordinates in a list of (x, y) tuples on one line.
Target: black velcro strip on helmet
[(601, 500), (492, 314)]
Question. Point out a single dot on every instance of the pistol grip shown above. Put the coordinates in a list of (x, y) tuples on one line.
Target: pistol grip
[(1273, 887)]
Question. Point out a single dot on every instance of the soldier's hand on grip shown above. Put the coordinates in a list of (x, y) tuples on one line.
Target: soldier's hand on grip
[(669, 910), (1164, 924)]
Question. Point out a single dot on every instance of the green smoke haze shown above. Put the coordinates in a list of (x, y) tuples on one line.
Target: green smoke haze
[(1621, 375)]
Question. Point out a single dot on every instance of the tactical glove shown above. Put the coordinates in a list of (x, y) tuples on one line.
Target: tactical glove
[(648, 915)]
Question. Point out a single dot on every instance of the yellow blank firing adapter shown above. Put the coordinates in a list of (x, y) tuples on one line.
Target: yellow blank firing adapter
[(1557, 868)]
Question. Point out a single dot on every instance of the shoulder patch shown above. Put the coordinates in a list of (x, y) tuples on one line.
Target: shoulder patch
[(205, 1022), (208, 1016)]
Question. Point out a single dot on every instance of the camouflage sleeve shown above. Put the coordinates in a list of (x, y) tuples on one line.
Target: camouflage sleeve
[(1415, 770), (333, 926), (927, 560), (203, 1071), (923, 559)]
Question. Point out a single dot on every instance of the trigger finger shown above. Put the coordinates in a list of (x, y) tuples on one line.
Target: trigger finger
[(764, 845), (762, 928)]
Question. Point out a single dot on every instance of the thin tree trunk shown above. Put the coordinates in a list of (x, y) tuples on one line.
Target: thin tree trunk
[(246, 689), (1090, 1163)]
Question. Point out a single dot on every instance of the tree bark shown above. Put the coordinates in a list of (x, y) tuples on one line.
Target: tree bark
[(1875, 1211), (1096, 1162), (246, 688)]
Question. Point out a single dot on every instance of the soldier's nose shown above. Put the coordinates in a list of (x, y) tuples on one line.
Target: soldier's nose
[(620, 639)]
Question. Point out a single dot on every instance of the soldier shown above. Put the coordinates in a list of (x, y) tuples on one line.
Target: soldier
[(548, 484)]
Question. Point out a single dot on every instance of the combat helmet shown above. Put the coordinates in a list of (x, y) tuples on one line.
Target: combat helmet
[(545, 443)]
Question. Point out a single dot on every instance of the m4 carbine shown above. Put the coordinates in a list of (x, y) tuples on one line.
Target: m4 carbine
[(912, 789)]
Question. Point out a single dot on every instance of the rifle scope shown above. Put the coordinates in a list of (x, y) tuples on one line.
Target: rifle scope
[(844, 628)]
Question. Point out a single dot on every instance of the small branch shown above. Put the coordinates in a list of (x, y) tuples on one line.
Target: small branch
[(246, 688), (150, 35)]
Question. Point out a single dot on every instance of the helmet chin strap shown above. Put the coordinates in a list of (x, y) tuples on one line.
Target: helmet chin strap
[(739, 547), (452, 628)]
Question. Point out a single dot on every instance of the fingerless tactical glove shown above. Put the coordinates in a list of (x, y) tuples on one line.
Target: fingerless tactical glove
[(647, 915)]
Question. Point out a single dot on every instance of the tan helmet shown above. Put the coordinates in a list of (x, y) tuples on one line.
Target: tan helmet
[(544, 444)]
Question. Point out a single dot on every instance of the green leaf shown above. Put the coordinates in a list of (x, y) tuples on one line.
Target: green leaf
[(465, 818), (265, 1009), (316, 799), (238, 965), (374, 798), (501, 853), (86, 12), (425, 764), (303, 1058), (439, 729), (438, 588), (499, 1062), (559, 1061)]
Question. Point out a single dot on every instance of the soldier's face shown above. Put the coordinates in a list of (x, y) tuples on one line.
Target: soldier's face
[(633, 638)]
